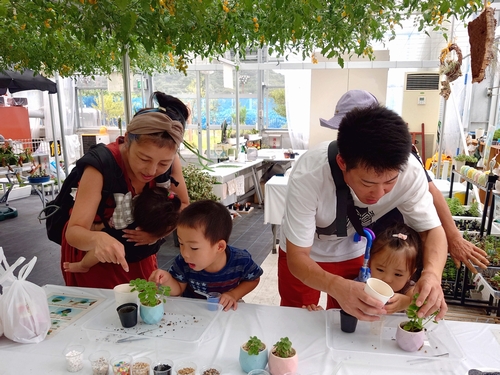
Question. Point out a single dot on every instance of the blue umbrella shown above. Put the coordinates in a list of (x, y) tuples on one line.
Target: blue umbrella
[(364, 272)]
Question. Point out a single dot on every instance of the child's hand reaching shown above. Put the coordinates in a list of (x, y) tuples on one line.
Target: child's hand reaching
[(227, 301), (398, 302), (160, 277), (313, 307)]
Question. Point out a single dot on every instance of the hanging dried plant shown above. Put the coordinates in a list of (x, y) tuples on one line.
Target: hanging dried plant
[(451, 62)]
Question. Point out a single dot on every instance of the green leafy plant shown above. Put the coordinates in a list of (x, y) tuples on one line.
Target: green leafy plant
[(458, 209), (150, 294), (254, 345), (474, 209), (199, 183), (9, 158), (470, 159), (496, 135), (416, 324), (283, 348), (455, 206), (460, 157), (94, 35), (478, 288)]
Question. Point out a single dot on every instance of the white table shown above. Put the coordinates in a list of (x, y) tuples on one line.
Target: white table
[(274, 207), (229, 170), (220, 345), (278, 154), (40, 187)]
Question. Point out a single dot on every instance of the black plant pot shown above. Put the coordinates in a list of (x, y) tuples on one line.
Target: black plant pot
[(128, 314), (347, 322), (162, 369)]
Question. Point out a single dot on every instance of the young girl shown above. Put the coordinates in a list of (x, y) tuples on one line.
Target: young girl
[(395, 256)]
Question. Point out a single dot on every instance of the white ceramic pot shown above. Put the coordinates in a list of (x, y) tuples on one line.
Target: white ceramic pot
[(409, 341)]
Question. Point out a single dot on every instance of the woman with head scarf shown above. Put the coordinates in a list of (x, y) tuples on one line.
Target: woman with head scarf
[(146, 156)]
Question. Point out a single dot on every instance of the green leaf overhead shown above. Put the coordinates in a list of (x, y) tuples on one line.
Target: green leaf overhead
[(91, 36)]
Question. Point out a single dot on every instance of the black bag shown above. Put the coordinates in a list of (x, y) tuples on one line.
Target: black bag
[(57, 212), (345, 203)]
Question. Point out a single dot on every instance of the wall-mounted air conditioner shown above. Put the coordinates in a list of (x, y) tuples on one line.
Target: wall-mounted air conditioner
[(88, 140)]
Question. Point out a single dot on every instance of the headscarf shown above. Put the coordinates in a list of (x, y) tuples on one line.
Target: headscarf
[(155, 121)]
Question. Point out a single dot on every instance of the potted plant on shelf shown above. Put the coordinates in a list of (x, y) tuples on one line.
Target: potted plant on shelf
[(476, 292), (410, 334), (151, 298), (470, 160), (459, 161), (253, 355), (283, 357), (199, 183), (38, 173)]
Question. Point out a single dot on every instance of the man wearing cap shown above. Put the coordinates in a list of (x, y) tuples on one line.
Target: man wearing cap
[(380, 176), (459, 248), (350, 100)]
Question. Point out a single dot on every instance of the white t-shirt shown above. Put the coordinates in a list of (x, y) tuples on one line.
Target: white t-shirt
[(311, 201)]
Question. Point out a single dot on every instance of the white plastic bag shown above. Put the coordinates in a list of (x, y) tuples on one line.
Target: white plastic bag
[(7, 277), (24, 309)]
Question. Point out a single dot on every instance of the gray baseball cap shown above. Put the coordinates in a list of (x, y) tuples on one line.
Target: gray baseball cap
[(350, 100)]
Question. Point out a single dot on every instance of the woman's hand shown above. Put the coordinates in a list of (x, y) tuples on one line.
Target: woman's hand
[(139, 236), (110, 250)]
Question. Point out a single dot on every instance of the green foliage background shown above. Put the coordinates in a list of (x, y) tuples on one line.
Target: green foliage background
[(91, 36)]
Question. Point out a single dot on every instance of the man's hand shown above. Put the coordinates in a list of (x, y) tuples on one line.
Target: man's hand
[(355, 301), (466, 252), (431, 297)]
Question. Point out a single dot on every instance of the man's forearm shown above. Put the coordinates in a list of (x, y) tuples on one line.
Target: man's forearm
[(450, 229), (435, 250)]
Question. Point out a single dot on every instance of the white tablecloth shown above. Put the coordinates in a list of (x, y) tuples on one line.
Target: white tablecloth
[(275, 192), (220, 345)]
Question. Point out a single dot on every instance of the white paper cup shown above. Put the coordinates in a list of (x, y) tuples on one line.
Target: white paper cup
[(378, 289), (124, 295)]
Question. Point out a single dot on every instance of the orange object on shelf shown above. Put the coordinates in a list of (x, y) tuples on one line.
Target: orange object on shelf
[(15, 123)]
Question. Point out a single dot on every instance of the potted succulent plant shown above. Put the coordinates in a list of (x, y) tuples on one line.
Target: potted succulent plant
[(476, 292), (151, 298), (283, 358), (253, 355), (410, 334)]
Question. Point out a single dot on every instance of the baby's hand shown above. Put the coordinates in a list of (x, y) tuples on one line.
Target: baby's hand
[(397, 303), (313, 307), (227, 301)]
